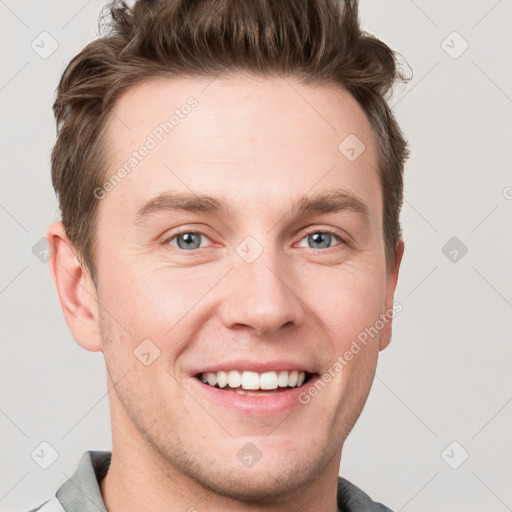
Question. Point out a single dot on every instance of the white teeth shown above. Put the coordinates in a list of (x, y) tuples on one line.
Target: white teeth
[(240, 391), (249, 380), (268, 380), (222, 379), (282, 380), (212, 379), (234, 379)]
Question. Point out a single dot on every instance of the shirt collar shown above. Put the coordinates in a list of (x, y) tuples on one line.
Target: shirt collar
[(81, 492)]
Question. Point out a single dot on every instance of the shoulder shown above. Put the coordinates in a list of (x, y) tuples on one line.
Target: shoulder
[(352, 499)]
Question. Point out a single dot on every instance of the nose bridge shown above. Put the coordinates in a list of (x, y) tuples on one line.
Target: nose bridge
[(260, 291)]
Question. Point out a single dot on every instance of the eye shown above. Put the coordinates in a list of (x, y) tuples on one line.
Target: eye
[(191, 240), (186, 240), (321, 239)]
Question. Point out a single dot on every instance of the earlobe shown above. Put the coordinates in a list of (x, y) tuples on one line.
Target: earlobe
[(392, 279), (77, 293)]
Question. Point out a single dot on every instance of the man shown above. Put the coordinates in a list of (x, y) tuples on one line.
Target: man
[(230, 180)]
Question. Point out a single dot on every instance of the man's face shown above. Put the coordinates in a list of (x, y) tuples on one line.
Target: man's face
[(256, 286)]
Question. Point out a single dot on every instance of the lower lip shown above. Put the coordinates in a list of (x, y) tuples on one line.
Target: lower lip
[(278, 403)]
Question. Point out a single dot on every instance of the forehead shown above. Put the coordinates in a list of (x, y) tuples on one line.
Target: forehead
[(247, 139)]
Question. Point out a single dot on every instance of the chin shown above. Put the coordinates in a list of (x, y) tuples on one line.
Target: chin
[(266, 483), (262, 469)]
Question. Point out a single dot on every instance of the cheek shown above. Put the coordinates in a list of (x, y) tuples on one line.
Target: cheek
[(348, 299), (159, 302)]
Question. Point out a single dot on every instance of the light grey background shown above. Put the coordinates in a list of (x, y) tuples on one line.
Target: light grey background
[(447, 373)]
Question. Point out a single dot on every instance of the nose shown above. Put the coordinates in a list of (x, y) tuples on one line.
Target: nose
[(261, 296)]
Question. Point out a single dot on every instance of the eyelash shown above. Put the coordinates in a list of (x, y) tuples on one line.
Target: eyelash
[(341, 240)]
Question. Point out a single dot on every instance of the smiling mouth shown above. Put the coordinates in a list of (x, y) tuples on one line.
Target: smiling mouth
[(254, 383)]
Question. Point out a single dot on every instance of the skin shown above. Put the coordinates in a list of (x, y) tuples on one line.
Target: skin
[(259, 145)]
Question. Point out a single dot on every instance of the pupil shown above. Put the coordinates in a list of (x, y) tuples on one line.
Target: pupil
[(189, 238), (320, 238)]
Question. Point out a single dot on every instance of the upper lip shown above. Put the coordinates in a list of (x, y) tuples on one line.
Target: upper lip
[(254, 366)]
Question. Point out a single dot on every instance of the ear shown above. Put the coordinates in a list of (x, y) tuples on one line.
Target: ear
[(392, 278), (77, 293)]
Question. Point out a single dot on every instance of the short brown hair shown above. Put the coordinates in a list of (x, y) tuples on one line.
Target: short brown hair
[(315, 41)]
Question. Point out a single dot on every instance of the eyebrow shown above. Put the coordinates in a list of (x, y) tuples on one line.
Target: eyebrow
[(329, 202)]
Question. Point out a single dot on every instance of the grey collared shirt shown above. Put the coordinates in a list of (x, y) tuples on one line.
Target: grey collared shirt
[(81, 492)]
